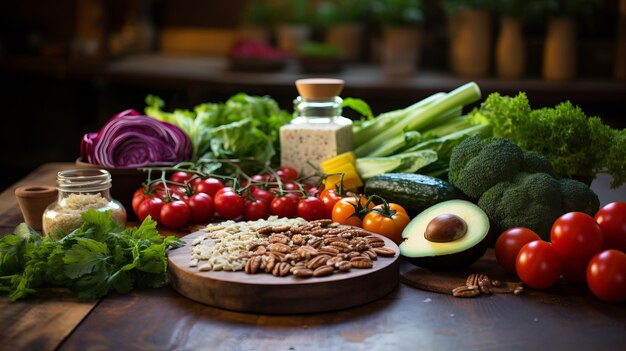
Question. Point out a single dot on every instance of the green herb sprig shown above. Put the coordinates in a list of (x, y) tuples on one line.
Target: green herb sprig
[(98, 258)]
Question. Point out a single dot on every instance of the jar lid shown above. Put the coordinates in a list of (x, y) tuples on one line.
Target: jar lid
[(319, 88)]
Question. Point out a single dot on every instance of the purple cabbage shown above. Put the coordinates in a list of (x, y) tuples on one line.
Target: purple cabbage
[(131, 140)]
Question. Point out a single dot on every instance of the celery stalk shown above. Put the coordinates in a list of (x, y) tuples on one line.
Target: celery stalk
[(405, 140), (372, 127), (422, 117)]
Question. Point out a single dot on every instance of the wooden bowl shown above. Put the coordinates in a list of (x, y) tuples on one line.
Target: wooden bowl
[(124, 183)]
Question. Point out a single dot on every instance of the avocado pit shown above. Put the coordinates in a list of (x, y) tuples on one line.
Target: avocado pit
[(445, 228)]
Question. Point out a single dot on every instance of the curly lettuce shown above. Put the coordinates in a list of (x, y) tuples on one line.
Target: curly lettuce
[(578, 146)]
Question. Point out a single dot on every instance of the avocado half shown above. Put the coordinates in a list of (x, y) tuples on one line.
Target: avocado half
[(447, 256)]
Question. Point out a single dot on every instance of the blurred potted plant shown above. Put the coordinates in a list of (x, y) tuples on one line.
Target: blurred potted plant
[(469, 24), (560, 51), (342, 20), (510, 44), (316, 57), (293, 28), (400, 20), (256, 22)]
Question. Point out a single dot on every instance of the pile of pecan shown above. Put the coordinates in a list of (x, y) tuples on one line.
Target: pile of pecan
[(478, 283), (316, 249)]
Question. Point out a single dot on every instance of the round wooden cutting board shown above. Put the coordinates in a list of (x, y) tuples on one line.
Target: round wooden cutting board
[(265, 293)]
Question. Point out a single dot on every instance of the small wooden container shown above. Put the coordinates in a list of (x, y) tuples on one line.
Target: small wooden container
[(33, 200)]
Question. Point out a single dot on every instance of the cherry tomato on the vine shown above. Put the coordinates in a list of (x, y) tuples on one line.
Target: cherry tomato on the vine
[(263, 195), (344, 211), (538, 265), (606, 275), (612, 221), (209, 186), (330, 197), (285, 206), (175, 214), (181, 177), (201, 208), (311, 208), (229, 204), (150, 206), (287, 173), (255, 209), (388, 226), (509, 243), (140, 195), (576, 236)]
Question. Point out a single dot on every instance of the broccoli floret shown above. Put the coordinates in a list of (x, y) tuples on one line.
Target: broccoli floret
[(478, 164), (579, 197), (534, 163), (531, 200)]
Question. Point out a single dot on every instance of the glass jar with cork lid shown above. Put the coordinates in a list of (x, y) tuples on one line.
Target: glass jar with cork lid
[(80, 190), (318, 131)]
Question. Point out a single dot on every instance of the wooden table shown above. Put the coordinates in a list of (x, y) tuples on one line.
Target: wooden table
[(406, 319)]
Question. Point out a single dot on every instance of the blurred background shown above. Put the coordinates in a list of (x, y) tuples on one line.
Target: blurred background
[(67, 66)]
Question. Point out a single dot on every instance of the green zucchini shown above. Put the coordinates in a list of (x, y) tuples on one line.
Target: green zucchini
[(414, 192)]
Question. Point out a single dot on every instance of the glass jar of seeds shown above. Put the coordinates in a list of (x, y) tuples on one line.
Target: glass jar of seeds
[(80, 190)]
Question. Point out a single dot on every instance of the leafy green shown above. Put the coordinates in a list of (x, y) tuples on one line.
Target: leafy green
[(99, 257), (243, 127), (577, 145)]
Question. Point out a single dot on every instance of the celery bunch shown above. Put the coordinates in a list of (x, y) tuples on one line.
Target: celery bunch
[(418, 137)]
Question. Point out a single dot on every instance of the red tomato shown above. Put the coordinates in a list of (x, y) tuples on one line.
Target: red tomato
[(311, 208), (344, 211), (201, 208), (285, 206), (509, 243), (612, 221), (330, 198), (209, 186), (226, 189), (139, 196), (576, 236), (263, 195), (181, 177), (606, 275), (312, 190), (255, 209), (293, 188), (152, 207), (538, 265), (175, 214), (391, 227), (229, 205), (287, 173)]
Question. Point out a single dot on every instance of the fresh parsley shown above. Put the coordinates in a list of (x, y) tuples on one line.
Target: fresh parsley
[(99, 257)]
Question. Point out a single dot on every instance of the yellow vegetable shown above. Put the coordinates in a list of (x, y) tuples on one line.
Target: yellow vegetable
[(343, 163)]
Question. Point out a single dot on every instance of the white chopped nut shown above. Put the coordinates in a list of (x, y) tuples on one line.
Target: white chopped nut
[(193, 262)]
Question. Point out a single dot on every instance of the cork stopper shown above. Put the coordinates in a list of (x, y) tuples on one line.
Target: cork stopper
[(319, 88)]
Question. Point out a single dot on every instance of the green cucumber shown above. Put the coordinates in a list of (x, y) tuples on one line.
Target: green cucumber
[(414, 192)]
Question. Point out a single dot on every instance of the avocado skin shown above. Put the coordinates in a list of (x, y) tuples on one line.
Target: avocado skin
[(414, 192)]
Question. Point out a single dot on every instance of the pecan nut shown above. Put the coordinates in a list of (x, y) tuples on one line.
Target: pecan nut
[(323, 271), (465, 291)]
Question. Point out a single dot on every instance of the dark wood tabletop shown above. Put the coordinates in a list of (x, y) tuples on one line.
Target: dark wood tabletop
[(406, 319)]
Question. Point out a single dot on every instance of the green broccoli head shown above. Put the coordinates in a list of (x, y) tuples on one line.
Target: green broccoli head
[(478, 164), (578, 197), (531, 200), (534, 163)]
